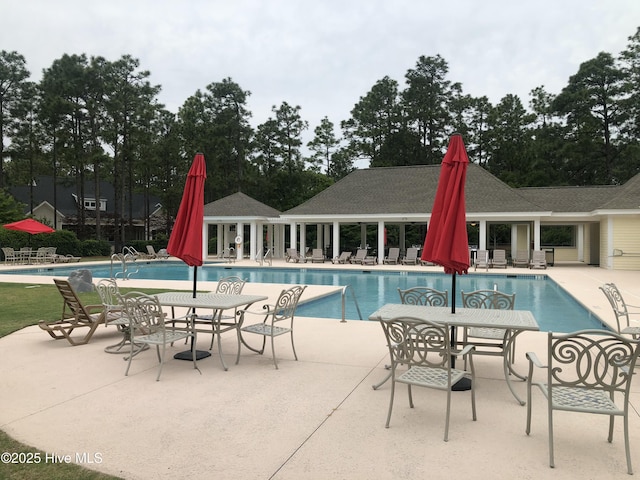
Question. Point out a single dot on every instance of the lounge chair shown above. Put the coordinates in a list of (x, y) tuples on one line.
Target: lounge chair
[(482, 260), (343, 258), (411, 258), (499, 259), (521, 259), (293, 256), (75, 316), (361, 254), (538, 259), (317, 256), (152, 251), (393, 256)]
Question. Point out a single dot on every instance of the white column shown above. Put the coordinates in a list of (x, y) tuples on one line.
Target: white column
[(536, 234), (380, 242), (293, 232), (303, 238), (482, 233), (205, 240), (580, 241), (253, 243), (363, 235), (239, 233), (220, 235), (319, 236), (336, 239)]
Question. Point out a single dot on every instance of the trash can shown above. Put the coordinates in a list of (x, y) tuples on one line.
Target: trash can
[(549, 256)]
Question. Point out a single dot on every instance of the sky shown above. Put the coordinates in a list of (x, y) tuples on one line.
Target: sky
[(324, 55)]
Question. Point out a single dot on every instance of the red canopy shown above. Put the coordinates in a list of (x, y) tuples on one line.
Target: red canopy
[(446, 242), (29, 225), (185, 241)]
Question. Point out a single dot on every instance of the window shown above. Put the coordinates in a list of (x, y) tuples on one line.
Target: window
[(558, 235)]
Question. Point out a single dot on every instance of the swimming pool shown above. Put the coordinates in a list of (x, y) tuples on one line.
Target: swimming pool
[(552, 307)]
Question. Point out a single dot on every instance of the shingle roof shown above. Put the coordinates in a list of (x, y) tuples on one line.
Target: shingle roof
[(239, 205), (397, 190), (570, 199), (627, 196)]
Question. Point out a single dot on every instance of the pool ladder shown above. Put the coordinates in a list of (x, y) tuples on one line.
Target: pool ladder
[(260, 257), (353, 295), (124, 259)]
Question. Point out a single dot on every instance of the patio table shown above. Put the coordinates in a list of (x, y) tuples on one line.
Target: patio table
[(515, 321), (217, 302)]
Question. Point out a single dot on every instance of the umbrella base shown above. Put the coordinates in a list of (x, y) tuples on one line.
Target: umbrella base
[(461, 385), (186, 355)]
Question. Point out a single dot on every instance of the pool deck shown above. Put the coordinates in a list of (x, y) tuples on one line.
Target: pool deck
[(317, 418)]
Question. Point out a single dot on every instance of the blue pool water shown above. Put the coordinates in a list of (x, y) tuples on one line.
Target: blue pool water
[(552, 307)]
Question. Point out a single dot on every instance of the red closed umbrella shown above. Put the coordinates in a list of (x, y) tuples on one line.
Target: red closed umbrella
[(185, 241), (29, 225), (446, 242)]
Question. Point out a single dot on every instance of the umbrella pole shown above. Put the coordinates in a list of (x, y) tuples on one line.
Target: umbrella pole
[(200, 354), (464, 383)]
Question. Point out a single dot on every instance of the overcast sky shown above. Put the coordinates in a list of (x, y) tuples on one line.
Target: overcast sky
[(323, 55)]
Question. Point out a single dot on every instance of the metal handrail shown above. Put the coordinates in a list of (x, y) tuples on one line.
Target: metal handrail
[(353, 295), (123, 258)]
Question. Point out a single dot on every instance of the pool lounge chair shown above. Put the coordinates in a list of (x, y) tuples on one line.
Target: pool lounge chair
[(482, 260), (343, 258), (538, 259), (393, 256), (521, 259), (317, 256), (75, 316), (411, 258), (293, 256), (361, 254), (499, 259)]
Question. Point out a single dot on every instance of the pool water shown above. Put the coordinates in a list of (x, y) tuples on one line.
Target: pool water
[(553, 308)]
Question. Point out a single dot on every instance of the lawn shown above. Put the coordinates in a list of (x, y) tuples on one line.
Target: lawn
[(24, 305)]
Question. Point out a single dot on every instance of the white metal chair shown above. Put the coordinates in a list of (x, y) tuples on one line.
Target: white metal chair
[(499, 259), (622, 310), (589, 371), (147, 325), (424, 347), (278, 320), (232, 285)]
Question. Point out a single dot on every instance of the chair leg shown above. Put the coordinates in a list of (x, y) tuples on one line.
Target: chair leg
[(295, 355), (551, 461), (161, 358), (626, 444), (273, 352), (393, 390), (446, 424)]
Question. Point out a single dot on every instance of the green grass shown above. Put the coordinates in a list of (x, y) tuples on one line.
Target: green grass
[(24, 305)]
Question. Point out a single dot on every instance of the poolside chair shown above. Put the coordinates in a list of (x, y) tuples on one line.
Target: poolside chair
[(521, 259), (499, 259), (411, 258), (482, 260), (9, 255), (361, 254), (393, 256), (147, 324), (622, 310), (424, 296), (228, 286), (538, 259), (588, 371), (75, 316), (293, 256), (424, 347), (151, 251), (489, 341), (343, 258), (277, 320), (317, 256)]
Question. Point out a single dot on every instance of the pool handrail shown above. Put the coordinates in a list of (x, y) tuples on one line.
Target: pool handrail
[(353, 295)]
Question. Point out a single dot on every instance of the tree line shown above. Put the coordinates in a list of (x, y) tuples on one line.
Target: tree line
[(92, 119)]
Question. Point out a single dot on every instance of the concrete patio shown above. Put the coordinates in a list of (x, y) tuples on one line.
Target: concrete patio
[(317, 418)]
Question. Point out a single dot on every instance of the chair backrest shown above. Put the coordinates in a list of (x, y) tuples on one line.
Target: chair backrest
[(522, 256), (499, 256), (71, 302), (412, 253), (9, 253), (285, 307), (482, 257), (394, 253), (361, 253), (344, 256), (538, 257), (230, 285), (417, 343), (488, 299), (424, 296), (151, 251), (317, 253), (144, 312), (108, 290), (620, 310), (592, 359)]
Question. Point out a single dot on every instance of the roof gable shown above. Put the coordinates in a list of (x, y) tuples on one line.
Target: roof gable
[(239, 205)]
